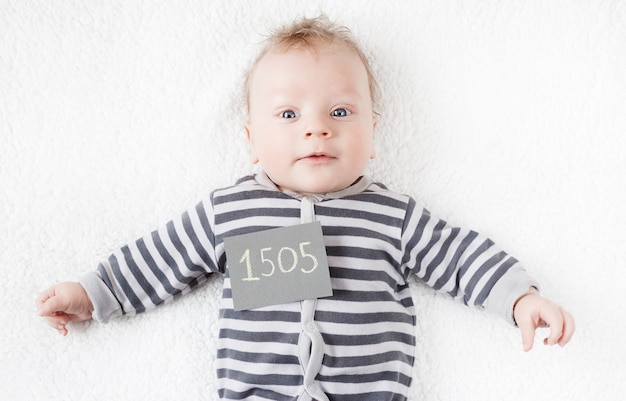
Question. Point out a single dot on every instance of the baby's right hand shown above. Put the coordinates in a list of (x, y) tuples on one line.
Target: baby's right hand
[(63, 303)]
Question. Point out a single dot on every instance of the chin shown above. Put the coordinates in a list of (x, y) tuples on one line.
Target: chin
[(322, 188), (315, 185)]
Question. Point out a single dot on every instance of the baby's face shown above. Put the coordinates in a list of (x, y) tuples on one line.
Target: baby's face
[(311, 123)]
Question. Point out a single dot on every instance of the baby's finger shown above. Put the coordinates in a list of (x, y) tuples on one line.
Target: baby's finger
[(568, 328), (43, 297), (57, 320), (527, 329), (51, 306), (59, 325), (554, 319)]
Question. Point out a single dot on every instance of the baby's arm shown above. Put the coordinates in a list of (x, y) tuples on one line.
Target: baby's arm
[(471, 268), (532, 311), (63, 303), (139, 276)]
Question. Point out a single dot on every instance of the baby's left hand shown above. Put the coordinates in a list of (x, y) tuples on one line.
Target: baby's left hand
[(532, 311)]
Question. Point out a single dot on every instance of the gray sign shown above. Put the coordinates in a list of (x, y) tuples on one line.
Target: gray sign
[(278, 266)]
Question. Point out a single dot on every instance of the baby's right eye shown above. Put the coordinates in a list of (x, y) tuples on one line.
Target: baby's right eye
[(288, 114)]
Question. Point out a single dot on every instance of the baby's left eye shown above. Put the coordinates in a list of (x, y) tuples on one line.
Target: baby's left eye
[(340, 112)]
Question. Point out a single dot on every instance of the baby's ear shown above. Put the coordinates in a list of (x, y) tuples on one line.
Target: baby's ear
[(253, 157)]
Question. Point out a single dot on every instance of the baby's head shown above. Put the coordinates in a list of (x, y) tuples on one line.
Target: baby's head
[(310, 33), (310, 96)]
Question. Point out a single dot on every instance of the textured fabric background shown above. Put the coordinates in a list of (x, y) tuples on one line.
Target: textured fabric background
[(504, 116)]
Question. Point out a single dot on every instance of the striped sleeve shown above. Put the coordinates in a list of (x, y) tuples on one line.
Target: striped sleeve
[(156, 268), (463, 263)]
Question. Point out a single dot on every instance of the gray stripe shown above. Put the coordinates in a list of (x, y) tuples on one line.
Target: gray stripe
[(182, 250), (321, 210), (272, 379), (484, 269), (453, 266), (366, 275), (126, 288), (154, 268), (245, 213), (251, 194), (359, 232), (255, 392), (435, 235), (367, 360), (394, 377), (262, 316), (364, 296), (260, 337), (168, 259), (206, 225), (361, 253), (245, 230), (370, 396), (258, 357), (417, 235), (140, 277), (363, 318), (378, 198), (497, 275), (437, 261), (486, 245), (369, 339), (200, 250)]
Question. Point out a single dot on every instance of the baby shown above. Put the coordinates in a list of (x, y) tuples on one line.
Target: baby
[(311, 104)]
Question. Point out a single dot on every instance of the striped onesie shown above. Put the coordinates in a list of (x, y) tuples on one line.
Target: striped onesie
[(358, 344)]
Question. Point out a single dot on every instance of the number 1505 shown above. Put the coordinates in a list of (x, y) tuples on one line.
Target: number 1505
[(292, 261)]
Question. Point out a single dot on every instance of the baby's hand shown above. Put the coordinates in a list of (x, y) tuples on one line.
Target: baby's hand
[(532, 311), (63, 303)]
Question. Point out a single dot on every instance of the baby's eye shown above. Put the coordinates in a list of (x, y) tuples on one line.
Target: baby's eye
[(340, 112), (288, 114)]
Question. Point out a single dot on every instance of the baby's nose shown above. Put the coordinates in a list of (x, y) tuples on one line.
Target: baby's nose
[(321, 133), (318, 129)]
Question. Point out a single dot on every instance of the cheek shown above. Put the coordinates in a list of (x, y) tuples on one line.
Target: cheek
[(273, 152), (365, 145), (271, 145)]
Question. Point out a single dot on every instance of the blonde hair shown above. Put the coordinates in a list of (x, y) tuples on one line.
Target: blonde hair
[(308, 33)]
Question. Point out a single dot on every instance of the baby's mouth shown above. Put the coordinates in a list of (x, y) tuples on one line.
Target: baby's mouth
[(317, 158)]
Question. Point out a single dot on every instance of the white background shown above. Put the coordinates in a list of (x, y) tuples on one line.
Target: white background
[(504, 116)]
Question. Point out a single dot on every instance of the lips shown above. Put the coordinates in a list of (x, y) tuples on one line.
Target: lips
[(317, 157)]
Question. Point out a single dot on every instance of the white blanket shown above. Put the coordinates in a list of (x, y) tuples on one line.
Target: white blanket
[(504, 116)]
